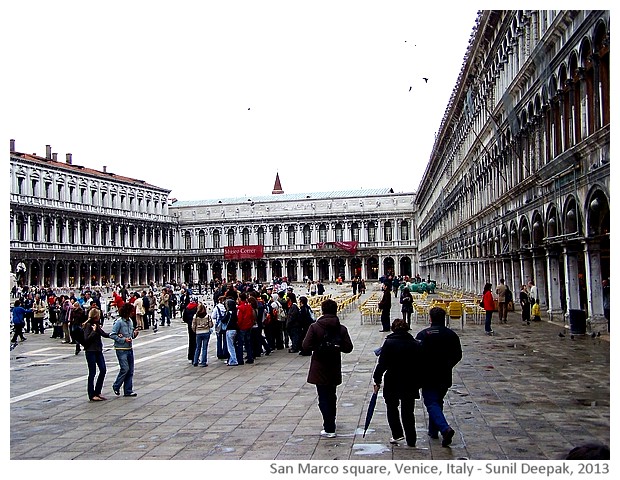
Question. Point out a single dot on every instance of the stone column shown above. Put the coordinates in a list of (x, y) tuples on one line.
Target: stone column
[(540, 277), (554, 295), (571, 274), (526, 267), (592, 256), (28, 225)]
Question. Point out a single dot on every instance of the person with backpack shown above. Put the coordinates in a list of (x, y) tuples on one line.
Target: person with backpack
[(232, 328), (327, 339), (93, 350), (221, 323)]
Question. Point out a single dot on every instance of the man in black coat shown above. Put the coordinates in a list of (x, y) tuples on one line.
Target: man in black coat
[(401, 361), (385, 305), (441, 351)]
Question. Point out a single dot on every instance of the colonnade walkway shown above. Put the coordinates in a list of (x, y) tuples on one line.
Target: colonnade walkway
[(524, 393)]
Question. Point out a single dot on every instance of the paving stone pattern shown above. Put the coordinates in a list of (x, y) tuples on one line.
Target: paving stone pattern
[(525, 393)]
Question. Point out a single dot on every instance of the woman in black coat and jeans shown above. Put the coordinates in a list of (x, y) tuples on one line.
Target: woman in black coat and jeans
[(93, 349)]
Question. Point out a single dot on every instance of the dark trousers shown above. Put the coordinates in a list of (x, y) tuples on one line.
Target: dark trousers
[(385, 319), (37, 325), (487, 321), (244, 341), (327, 406), (95, 360), (191, 348), (294, 333), (274, 335), (222, 347), (406, 413), (18, 331)]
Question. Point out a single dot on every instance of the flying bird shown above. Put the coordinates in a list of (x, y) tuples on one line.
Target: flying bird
[(410, 88), (425, 79)]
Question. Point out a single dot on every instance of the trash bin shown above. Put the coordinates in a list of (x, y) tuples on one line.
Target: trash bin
[(577, 322)]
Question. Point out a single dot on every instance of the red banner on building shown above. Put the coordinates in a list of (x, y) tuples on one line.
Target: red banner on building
[(350, 247), (243, 252)]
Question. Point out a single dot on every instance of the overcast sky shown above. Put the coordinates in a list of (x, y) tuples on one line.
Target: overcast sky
[(212, 99)]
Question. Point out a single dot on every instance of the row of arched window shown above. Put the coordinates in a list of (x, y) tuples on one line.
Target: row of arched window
[(288, 235)]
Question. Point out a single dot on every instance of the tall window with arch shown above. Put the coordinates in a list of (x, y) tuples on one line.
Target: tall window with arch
[(339, 232), (276, 236), (372, 232), (387, 231), (231, 237)]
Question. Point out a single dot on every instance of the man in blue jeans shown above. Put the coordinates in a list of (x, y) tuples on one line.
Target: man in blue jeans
[(441, 351), (123, 334)]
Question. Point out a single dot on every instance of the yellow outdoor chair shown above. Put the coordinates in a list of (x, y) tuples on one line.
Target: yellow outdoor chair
[(455, 311)]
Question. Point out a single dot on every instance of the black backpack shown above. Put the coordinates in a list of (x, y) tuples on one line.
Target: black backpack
[(330, 343), (508, 295)]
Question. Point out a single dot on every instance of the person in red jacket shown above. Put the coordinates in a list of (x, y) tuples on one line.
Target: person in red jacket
[(117, 300), (245, 320), (488, 303)]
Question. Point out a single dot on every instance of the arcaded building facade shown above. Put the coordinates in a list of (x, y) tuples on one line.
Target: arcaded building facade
[(363, 233), (74, 226), (518, 183)]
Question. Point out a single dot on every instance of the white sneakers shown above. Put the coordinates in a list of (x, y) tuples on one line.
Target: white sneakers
[(396, 441), (328, 434)]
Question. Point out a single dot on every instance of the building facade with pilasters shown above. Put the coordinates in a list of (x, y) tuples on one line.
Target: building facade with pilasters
[(363, 233), (518, 183), (72, 226)]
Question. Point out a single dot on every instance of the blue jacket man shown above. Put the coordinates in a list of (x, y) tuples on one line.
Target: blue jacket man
[(19, 313)]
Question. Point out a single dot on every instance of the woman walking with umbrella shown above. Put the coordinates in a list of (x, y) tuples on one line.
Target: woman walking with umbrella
[(400, 361)]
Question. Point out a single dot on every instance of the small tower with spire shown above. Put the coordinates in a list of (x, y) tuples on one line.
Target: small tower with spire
[(277, 187)]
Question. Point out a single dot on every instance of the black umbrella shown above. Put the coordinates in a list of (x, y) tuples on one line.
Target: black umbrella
[(371, 410)]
